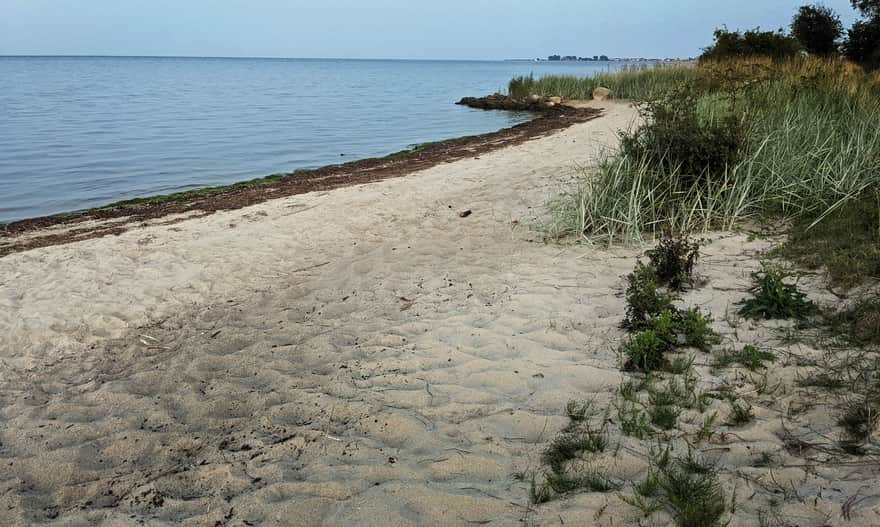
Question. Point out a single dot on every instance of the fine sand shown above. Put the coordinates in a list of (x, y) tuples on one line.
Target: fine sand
[(368, 356)]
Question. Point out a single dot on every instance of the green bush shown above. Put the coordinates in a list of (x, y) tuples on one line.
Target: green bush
[(645, 352), (682, 328), (696, 330), (751, 43), (863, 44), (674, 259), (675, 139), (817, 28), (644, 299)]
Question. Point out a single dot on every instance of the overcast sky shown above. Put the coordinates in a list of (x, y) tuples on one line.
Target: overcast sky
[(439, 29)]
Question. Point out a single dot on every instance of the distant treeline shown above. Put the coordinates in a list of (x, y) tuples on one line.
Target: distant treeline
[(815, 30)]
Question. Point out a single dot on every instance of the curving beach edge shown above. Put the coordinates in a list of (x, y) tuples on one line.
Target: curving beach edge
[(392, 353), (117, 217)]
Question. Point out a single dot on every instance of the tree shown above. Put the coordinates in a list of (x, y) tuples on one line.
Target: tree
[(817, 28), (751, 43), (869, 8), (863, 44)]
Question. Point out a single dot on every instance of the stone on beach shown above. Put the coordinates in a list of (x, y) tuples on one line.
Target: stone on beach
[(601, 94)]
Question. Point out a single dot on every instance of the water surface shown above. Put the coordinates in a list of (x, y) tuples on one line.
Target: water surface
[(79, 132)]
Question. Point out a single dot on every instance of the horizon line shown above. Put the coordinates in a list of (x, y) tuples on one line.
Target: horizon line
[(243, 57)]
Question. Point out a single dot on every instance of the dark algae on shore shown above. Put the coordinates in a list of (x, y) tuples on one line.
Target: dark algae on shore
[(119, 217)]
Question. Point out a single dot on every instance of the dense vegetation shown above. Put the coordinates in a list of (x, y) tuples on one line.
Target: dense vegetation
[(751, 43), (751, 139), (818, 29), (742, 138)]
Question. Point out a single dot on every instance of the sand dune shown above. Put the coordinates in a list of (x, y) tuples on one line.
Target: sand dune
[(364, 356)]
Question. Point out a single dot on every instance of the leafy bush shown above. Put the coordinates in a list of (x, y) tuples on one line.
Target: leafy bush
[(675, 140), (817, 28), (695, 329), (674, 259), (644, 298), (664, 333), (772, 298), (682, 328), (863, 43), (645, 351), (751, 43)]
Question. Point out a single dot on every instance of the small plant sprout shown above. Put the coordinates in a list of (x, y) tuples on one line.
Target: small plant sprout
[(740, 413), (751, 357)]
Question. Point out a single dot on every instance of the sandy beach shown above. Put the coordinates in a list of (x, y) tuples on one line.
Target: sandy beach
[(387, 354)]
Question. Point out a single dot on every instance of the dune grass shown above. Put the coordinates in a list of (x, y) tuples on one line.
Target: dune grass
[(809, 147), (630, 83)]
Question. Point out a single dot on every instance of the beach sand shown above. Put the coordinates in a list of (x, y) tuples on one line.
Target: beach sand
[(365, 356)]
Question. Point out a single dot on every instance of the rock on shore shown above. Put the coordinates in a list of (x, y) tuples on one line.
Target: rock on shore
[(498, 101)]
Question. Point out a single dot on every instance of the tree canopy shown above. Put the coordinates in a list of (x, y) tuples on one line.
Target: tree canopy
[(867, 7), (863, 44), (817, 28), (753, 42)]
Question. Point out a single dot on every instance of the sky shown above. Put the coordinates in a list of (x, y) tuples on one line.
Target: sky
[(407, 29)]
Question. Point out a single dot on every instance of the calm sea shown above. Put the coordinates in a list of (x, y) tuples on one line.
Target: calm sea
[(79, 132)]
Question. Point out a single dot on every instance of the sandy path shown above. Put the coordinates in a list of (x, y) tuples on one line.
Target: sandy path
[(359, 357), (271, 361)]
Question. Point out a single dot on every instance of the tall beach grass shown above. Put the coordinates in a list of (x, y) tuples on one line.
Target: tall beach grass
[(810, 145), (630, 83)]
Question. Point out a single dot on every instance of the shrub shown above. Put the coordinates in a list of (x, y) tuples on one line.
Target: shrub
[(645, 351), (817, 28), (751, 43), (674, 259), (675, 140), (696, 329), (863, 43), (682, 327), (772, 298), (644, 298)]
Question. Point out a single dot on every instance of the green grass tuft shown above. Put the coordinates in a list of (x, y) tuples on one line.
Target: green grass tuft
[(773, 298), (750, 357)]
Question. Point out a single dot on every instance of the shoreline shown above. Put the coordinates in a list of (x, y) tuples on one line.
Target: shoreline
[(116, 218), (307, 357), (375, 356)]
